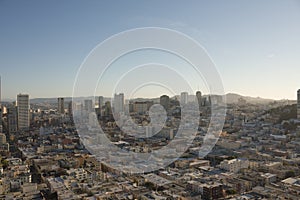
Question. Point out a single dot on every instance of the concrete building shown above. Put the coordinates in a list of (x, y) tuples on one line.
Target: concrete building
[(118, 103), (70, 108), (212, 191), (80, 174), (142, 107), (107, 109), (2, 139), (199, 98), (184, 97), (61, 105), (4, 146), (100, 102), (234, 165), (23, 111), (165, 102), (88, 105), (12, 119)]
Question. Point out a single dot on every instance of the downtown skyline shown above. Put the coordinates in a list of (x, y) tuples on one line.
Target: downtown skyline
[(255, 53)]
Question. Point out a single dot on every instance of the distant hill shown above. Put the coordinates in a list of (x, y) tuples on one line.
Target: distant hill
[(230, 98), (233, 98)]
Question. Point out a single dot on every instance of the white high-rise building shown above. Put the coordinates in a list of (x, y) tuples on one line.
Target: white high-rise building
[(23, 111), (118, 103), (298, 104), (184, 97)]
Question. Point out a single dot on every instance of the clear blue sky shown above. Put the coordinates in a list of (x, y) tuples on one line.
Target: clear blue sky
[(255, 44)]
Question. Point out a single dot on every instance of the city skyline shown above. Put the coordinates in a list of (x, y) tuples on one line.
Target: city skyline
[(14, 99), (150, 99)]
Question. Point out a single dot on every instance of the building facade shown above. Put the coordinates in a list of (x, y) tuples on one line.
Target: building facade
[(23, 111), (199, 98), (61, 106), (12, 119), (165, 102), (118, 103), (100, 102), (88, 105), (184, 97)]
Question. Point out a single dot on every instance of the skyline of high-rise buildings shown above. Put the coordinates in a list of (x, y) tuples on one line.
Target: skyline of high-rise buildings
[(23, 103)]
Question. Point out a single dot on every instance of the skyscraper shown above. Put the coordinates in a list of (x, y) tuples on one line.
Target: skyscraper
[(107, 109), (23, 111), (70, 108), (61, 105), (88, 105), (164, 100), (118, 103), (199, 98), (12, 119), (298, 104), (100, 101), (184, 98)]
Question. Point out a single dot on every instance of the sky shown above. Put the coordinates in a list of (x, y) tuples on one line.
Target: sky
[(255, 44)]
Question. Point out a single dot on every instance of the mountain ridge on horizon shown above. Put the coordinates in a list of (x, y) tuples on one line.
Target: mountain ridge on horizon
[(230, 98)]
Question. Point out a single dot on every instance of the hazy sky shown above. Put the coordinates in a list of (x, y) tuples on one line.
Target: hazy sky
[(254, 44)]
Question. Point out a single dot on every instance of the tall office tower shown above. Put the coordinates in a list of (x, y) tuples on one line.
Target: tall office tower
[(107, 109), (88, 105), (184, 97), (199, 98), (100, 101), (70, 108), (298, 104), (23, 111), (118, 103), (12, 119), (164, 100), (61, 105)]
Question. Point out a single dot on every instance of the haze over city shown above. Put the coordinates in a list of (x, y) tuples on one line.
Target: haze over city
[(144, 100)]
